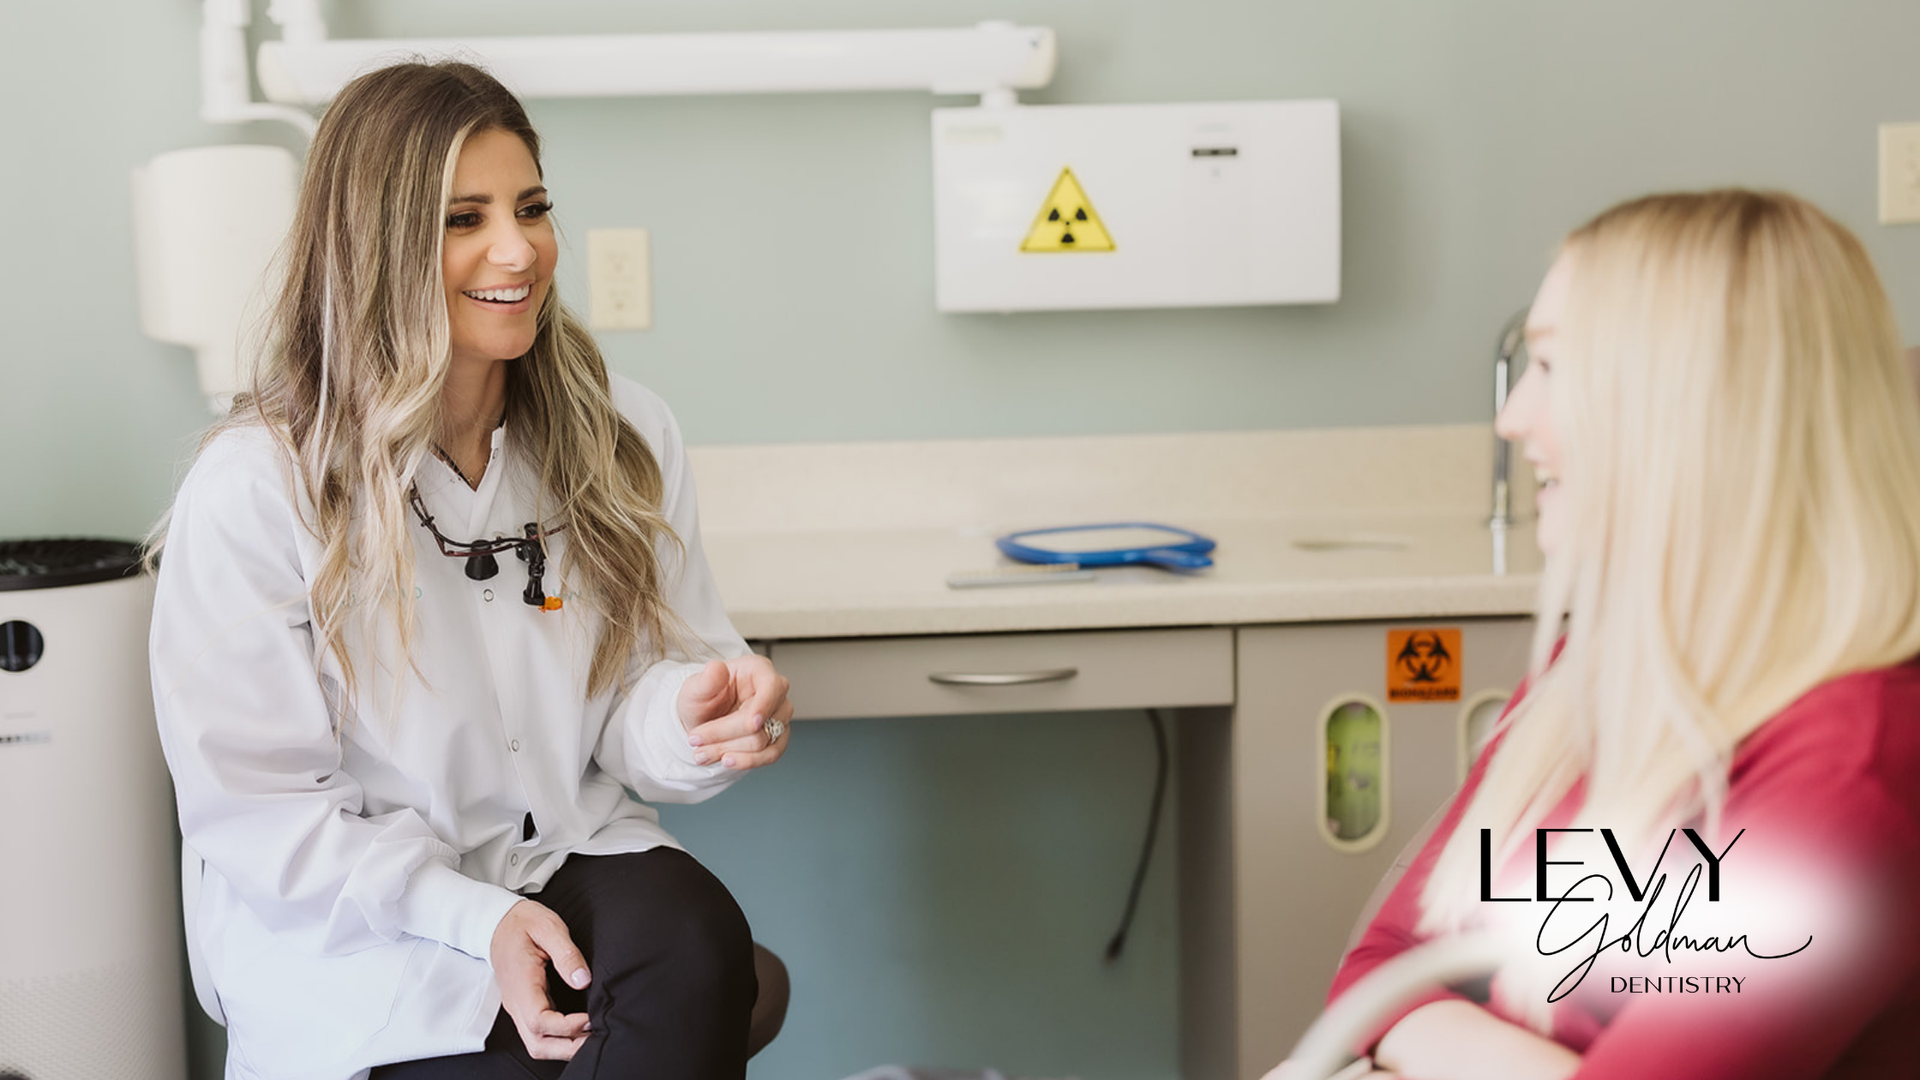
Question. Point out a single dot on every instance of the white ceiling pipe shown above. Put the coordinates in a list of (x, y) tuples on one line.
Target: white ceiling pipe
[(991, 59)]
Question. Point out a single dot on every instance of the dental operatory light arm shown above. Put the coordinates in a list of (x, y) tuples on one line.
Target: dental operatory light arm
[(993, 59), (226, 93), (304, 68)]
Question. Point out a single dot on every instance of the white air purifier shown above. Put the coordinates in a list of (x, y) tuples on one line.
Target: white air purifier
[(90, 983)]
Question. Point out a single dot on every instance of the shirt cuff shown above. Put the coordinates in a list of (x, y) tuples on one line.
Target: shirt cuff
[(446, 905)]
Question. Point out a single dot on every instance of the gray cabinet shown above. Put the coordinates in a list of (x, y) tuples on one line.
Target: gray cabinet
[(1301, 777), (1271, 890)]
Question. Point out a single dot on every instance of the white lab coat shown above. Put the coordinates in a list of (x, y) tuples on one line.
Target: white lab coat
[(360, 854)]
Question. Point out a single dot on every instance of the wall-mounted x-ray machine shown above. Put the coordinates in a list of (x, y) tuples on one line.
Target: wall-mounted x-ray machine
[(1036, 207), (1043, 208)]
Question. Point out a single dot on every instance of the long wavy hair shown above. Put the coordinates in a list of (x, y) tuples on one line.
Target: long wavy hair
[(1740, 438), (357, 348)]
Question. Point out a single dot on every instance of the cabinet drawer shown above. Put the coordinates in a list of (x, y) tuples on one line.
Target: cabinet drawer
[(990, 673)]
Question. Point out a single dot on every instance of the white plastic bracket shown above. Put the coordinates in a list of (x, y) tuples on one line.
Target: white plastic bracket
[(226, 90)]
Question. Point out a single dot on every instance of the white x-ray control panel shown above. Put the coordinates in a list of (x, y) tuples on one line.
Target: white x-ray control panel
[(1062, 207)]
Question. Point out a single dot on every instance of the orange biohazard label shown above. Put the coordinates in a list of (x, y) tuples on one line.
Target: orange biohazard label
[(1424, 664)]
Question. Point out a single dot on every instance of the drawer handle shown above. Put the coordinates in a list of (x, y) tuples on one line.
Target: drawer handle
[(1003, 678)]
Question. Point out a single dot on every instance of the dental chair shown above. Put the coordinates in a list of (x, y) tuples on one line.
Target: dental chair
[(769, 1007)]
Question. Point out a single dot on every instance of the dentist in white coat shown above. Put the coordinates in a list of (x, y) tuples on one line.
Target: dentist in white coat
[(431, 602)]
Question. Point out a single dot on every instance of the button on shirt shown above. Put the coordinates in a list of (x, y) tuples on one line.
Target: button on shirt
[(360, 852)]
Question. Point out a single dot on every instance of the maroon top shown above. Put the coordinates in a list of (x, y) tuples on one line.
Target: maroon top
[(1829, 792)]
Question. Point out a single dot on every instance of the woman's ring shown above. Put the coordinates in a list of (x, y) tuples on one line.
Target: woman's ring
[(775, 728)]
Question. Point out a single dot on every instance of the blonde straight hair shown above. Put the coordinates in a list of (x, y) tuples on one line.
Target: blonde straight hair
[(357, 349), (1741, 440)]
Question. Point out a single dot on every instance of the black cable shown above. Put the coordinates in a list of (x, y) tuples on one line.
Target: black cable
[(1119, 941)]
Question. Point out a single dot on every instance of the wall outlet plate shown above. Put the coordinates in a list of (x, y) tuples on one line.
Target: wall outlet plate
[(1899, 174), (619, 279)]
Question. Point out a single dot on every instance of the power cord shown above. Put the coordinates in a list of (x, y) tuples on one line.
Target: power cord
[(1119, 941)]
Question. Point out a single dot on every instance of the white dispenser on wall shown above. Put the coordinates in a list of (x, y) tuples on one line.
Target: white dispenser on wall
[(90, 983), (1060, 207), (206, 225)]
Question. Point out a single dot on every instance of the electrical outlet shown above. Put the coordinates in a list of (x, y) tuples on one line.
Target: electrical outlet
[(619, 279), (1899, 174)]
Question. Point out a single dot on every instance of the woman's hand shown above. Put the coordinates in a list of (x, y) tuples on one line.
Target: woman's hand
[(528, 938), (1458, 1040), (1359, 1070), (1356, 1071), (727, 707)]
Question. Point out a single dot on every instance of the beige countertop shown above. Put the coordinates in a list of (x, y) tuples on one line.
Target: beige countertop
[(857, 540)]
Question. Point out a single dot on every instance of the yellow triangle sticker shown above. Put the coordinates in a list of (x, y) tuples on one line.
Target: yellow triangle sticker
[(1067, 221)]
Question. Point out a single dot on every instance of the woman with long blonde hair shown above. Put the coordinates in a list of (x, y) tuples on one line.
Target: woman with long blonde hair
[(432, 603), (1728, 444)]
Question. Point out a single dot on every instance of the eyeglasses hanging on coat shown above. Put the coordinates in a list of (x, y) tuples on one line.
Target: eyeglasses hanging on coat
[(481, 564)]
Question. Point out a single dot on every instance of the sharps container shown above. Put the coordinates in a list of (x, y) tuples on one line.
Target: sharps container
[(90, 983)]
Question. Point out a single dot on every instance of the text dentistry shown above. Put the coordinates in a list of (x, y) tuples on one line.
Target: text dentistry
[(1675, 984)]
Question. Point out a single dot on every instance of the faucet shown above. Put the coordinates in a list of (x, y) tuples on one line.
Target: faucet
[(1513, 338)]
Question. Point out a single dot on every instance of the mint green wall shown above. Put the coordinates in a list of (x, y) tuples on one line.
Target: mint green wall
[(792, 234), (948, 883)]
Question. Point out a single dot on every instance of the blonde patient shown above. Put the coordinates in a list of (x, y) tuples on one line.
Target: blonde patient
[(1727, 438)]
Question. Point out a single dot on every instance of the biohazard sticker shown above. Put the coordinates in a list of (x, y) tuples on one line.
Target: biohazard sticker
[(1067, 221), (1424, 664)]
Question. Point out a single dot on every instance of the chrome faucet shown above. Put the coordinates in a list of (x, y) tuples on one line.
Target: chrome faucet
[(1512, 339)]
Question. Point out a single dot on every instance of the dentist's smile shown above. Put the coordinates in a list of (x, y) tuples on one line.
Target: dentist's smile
[(509, 295)]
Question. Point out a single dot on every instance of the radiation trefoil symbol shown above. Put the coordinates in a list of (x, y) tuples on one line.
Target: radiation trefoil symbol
[(1067, 221)]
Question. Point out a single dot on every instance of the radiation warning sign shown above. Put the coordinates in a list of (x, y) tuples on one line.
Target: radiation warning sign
[(1423, 665), (1067, 221)]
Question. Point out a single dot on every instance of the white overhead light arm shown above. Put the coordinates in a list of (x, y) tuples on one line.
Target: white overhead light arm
[(993, 60), (226, 92), (305, 68), (300, 21)]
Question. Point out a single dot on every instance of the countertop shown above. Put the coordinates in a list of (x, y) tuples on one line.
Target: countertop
[(857, 539)]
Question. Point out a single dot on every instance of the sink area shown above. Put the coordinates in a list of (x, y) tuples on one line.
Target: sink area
[(1354, 542), (857, 540)]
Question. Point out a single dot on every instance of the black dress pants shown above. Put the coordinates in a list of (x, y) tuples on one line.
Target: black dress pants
[(673, 983)]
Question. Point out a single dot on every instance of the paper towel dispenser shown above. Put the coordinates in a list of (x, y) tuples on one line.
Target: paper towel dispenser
[(206, 225), (1059, 207)]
